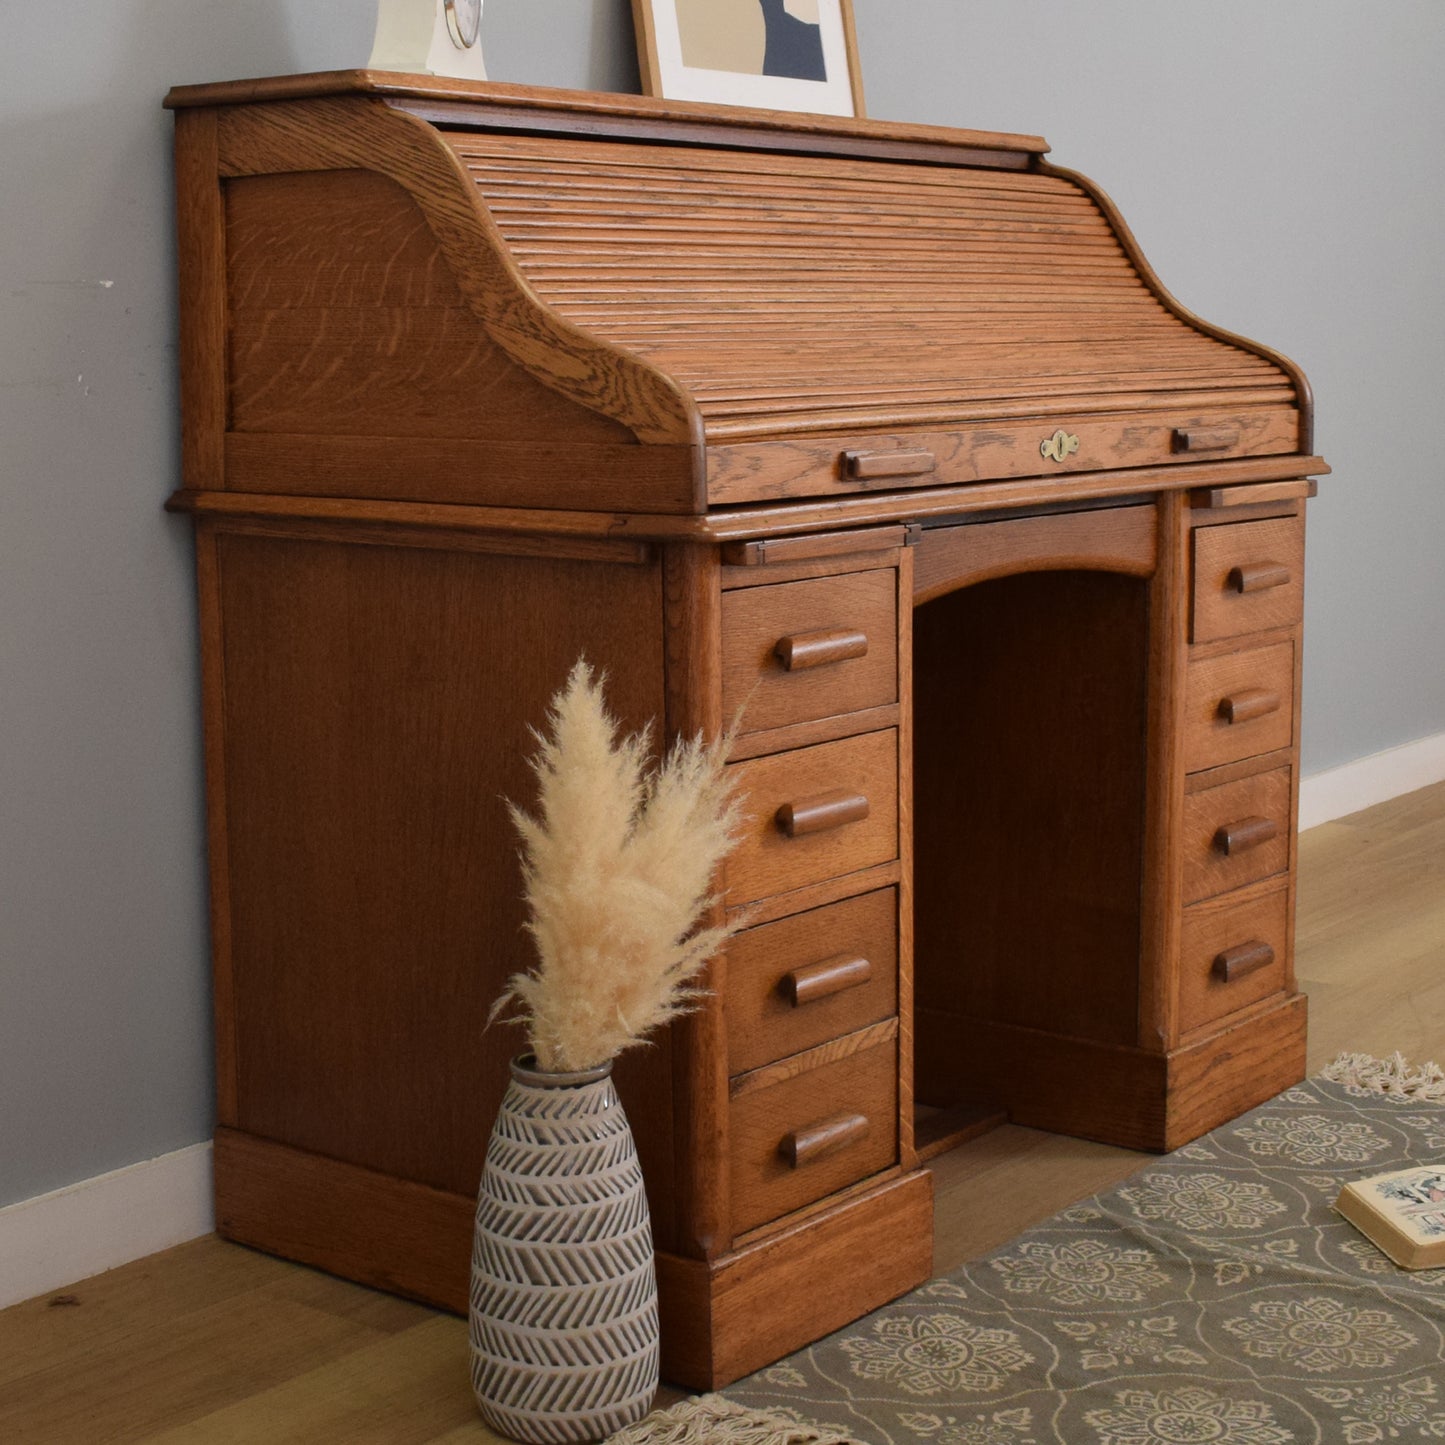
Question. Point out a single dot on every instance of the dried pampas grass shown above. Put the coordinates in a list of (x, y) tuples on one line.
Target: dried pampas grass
[(618, 864)]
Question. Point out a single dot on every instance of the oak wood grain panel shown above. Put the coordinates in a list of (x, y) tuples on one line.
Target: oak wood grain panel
[(1216, 499), (823, 730), (1029, 756), (376, 707), (1164, 769), (1038, 1075), (907, 1152), (783, 1071), (341, 134), (993, 445), (391, 1233), (764, 1184), (1230, 561), (345, 319), (726, 1320), (201, 265), (1210, 818), (954, 295), (692, 673), (745, 523), (459, 470), (1118, 539), (767, 861), (1230, 920), (1303, 392), (1242, 1066), (763, 1022), (758, 620), (472, 101), (1252, 675), (779, 551)]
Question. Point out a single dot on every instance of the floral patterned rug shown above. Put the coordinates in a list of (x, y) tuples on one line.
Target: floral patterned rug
[(1214, 1296)]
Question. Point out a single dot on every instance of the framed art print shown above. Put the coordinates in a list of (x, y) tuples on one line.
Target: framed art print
[(774, 54)]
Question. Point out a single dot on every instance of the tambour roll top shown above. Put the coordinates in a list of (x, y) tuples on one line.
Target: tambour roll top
[(808, 307)]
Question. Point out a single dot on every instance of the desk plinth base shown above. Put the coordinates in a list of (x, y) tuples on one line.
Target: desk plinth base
[(723, 1319), (1123, 1096), (720, 1319)]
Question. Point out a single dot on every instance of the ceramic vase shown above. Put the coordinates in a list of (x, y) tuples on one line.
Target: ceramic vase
[(563, 1320)]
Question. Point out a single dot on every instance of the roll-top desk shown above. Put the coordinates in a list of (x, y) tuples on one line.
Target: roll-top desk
[(885, 434)]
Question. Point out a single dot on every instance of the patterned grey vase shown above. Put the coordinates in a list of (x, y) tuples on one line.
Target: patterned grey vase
[(563, 1320)]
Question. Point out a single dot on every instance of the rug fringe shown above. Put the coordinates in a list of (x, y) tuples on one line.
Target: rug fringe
[(1394, 1076), (711, 1420)]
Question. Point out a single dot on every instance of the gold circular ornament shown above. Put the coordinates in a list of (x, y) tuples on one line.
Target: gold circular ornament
[(464, 22)]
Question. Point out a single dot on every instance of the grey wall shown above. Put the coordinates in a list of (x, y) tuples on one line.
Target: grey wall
[(1278, 163)]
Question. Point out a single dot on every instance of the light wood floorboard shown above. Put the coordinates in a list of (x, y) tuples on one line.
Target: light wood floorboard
[(214, 1343)]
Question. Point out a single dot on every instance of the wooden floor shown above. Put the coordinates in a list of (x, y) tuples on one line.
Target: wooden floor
[(214, 1343)]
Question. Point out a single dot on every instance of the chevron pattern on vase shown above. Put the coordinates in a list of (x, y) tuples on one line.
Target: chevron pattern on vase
[(563, 1318)]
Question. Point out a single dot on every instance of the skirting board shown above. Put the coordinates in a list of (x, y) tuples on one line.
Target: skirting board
[(101, 1223), (1337, 792)]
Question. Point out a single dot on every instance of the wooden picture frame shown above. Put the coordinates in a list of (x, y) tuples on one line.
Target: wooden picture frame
[(764, 55)]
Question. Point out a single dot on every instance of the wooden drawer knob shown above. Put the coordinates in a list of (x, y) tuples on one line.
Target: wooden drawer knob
[(863, 466), (822, 980), (819, 814), (1249, 703), (1246, 833), (1242, 960), (1258, 577), (817, 649), (803, 1146), (1205, 438)]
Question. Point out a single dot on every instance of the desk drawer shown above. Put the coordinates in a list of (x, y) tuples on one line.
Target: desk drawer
[(1238, 705), (815, 976), (1232, 953), (798, 651), (795, 1137), (1248, 577), (815, 813), (1236, 834)]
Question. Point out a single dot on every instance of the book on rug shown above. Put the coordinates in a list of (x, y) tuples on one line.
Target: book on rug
[(1403, 1212)]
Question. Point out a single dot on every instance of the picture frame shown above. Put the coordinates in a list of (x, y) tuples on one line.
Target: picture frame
[(796, 55)]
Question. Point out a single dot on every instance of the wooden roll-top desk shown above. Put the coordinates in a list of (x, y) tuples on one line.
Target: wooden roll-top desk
[(886, 434)]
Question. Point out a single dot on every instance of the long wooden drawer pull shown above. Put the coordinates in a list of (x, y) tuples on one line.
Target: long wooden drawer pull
[(1205, 438), (822, 980), (1244, 834), (863, 466), (817, 649), (818, 815), (1242, 960), (803, 1146), (1248, 704), (1258, 576)]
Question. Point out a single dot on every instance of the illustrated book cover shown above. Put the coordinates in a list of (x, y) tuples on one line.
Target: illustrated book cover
[(1403, 1212)]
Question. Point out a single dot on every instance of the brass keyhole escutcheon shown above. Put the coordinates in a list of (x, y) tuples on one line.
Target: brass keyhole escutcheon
[(1059, 447)]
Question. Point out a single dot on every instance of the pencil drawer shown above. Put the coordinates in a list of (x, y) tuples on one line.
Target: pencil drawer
[(799, 651), (1235, 834), (1238, 705), (812, 977), (1248, 577), (804, 1129), (1233, 952), (815, 813)]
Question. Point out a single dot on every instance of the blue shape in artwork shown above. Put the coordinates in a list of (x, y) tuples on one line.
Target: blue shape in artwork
[(794, 48)]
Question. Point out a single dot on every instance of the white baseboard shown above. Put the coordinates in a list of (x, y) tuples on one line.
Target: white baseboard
[(98, 1224), (1337, 792)]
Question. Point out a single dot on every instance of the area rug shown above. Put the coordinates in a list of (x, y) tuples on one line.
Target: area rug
[(1214, 1296)]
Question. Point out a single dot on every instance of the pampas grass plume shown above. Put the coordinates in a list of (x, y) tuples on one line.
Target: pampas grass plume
[(618, 865)]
